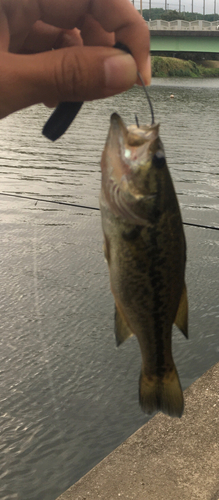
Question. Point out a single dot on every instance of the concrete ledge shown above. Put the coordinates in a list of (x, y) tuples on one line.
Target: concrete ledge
[(167, 459)]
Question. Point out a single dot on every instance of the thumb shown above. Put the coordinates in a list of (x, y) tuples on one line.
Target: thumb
[(70, 74)]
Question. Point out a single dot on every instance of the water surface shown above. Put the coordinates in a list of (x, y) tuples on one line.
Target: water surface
[(68, 396)]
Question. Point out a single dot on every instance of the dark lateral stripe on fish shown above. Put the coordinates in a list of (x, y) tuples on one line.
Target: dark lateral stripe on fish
[(157, 281)]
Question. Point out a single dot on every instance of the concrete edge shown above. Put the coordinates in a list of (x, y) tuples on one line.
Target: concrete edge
[(166, 458)]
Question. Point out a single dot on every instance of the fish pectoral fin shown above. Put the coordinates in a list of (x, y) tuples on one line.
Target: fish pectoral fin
[(122, 330), (181, 319)]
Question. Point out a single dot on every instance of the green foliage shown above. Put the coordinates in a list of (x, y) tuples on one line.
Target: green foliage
[(209, 72), (171, 15), (170, 66), (189, 56), (211, 17), (152, 14)]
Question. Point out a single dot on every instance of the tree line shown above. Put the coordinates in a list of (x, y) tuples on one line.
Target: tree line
[(172, 15)]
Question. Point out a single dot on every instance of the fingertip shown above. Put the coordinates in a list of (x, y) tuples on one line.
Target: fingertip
[(146, 72), (120, 72)]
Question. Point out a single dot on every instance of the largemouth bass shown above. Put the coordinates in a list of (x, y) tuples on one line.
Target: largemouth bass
[(145, 248)]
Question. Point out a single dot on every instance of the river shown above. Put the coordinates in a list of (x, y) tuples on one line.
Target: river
[(68, 396)]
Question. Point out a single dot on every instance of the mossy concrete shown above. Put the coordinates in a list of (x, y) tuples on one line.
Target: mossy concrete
[(167, 459)]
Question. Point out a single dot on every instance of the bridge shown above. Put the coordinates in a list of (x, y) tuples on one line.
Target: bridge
[(184, 36)]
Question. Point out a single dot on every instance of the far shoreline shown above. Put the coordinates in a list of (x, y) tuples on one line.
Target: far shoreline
[(173, 67)]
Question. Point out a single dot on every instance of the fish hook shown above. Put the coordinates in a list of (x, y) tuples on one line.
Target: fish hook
[(121, 46), (148, 97)]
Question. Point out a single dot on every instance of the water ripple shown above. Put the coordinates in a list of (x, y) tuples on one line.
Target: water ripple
[(67, 395)]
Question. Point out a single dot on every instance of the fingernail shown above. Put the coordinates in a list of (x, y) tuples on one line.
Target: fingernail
[(146, 72), (120, 72)]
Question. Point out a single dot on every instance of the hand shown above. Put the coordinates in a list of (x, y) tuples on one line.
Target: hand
[(83, 66)]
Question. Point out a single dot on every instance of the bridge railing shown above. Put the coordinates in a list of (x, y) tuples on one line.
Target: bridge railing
[(159, 24), (200, 25), (215, 25), (179, 24)]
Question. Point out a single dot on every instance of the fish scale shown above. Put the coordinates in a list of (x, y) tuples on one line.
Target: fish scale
[(146, 261)]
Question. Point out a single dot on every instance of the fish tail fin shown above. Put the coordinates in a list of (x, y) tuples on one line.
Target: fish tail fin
[(161, 393)]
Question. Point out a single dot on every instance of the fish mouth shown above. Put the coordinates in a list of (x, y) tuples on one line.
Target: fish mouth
[(126, 154), (132, 145), (135, 135)]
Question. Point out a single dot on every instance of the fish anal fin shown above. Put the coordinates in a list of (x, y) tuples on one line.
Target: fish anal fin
[(122, 330), (161, 394), (181, 319)]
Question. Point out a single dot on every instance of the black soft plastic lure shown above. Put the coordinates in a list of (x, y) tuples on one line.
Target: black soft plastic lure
[(61, 119), (65, 112)]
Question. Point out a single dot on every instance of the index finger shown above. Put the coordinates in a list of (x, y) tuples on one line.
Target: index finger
[(115, 16), (118, 16), (130, 28)]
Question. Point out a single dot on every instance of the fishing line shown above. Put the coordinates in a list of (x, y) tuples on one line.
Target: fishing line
[(48, 201), (86, 207), (201, 225), (44, 345)]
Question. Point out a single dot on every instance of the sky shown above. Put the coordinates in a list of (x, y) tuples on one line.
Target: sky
[(185, 5)]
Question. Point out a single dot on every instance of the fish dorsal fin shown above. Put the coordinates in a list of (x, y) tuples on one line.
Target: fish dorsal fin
[(181, 319), (122, 331)]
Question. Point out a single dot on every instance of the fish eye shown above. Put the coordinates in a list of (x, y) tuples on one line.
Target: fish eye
[(159, 160)]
